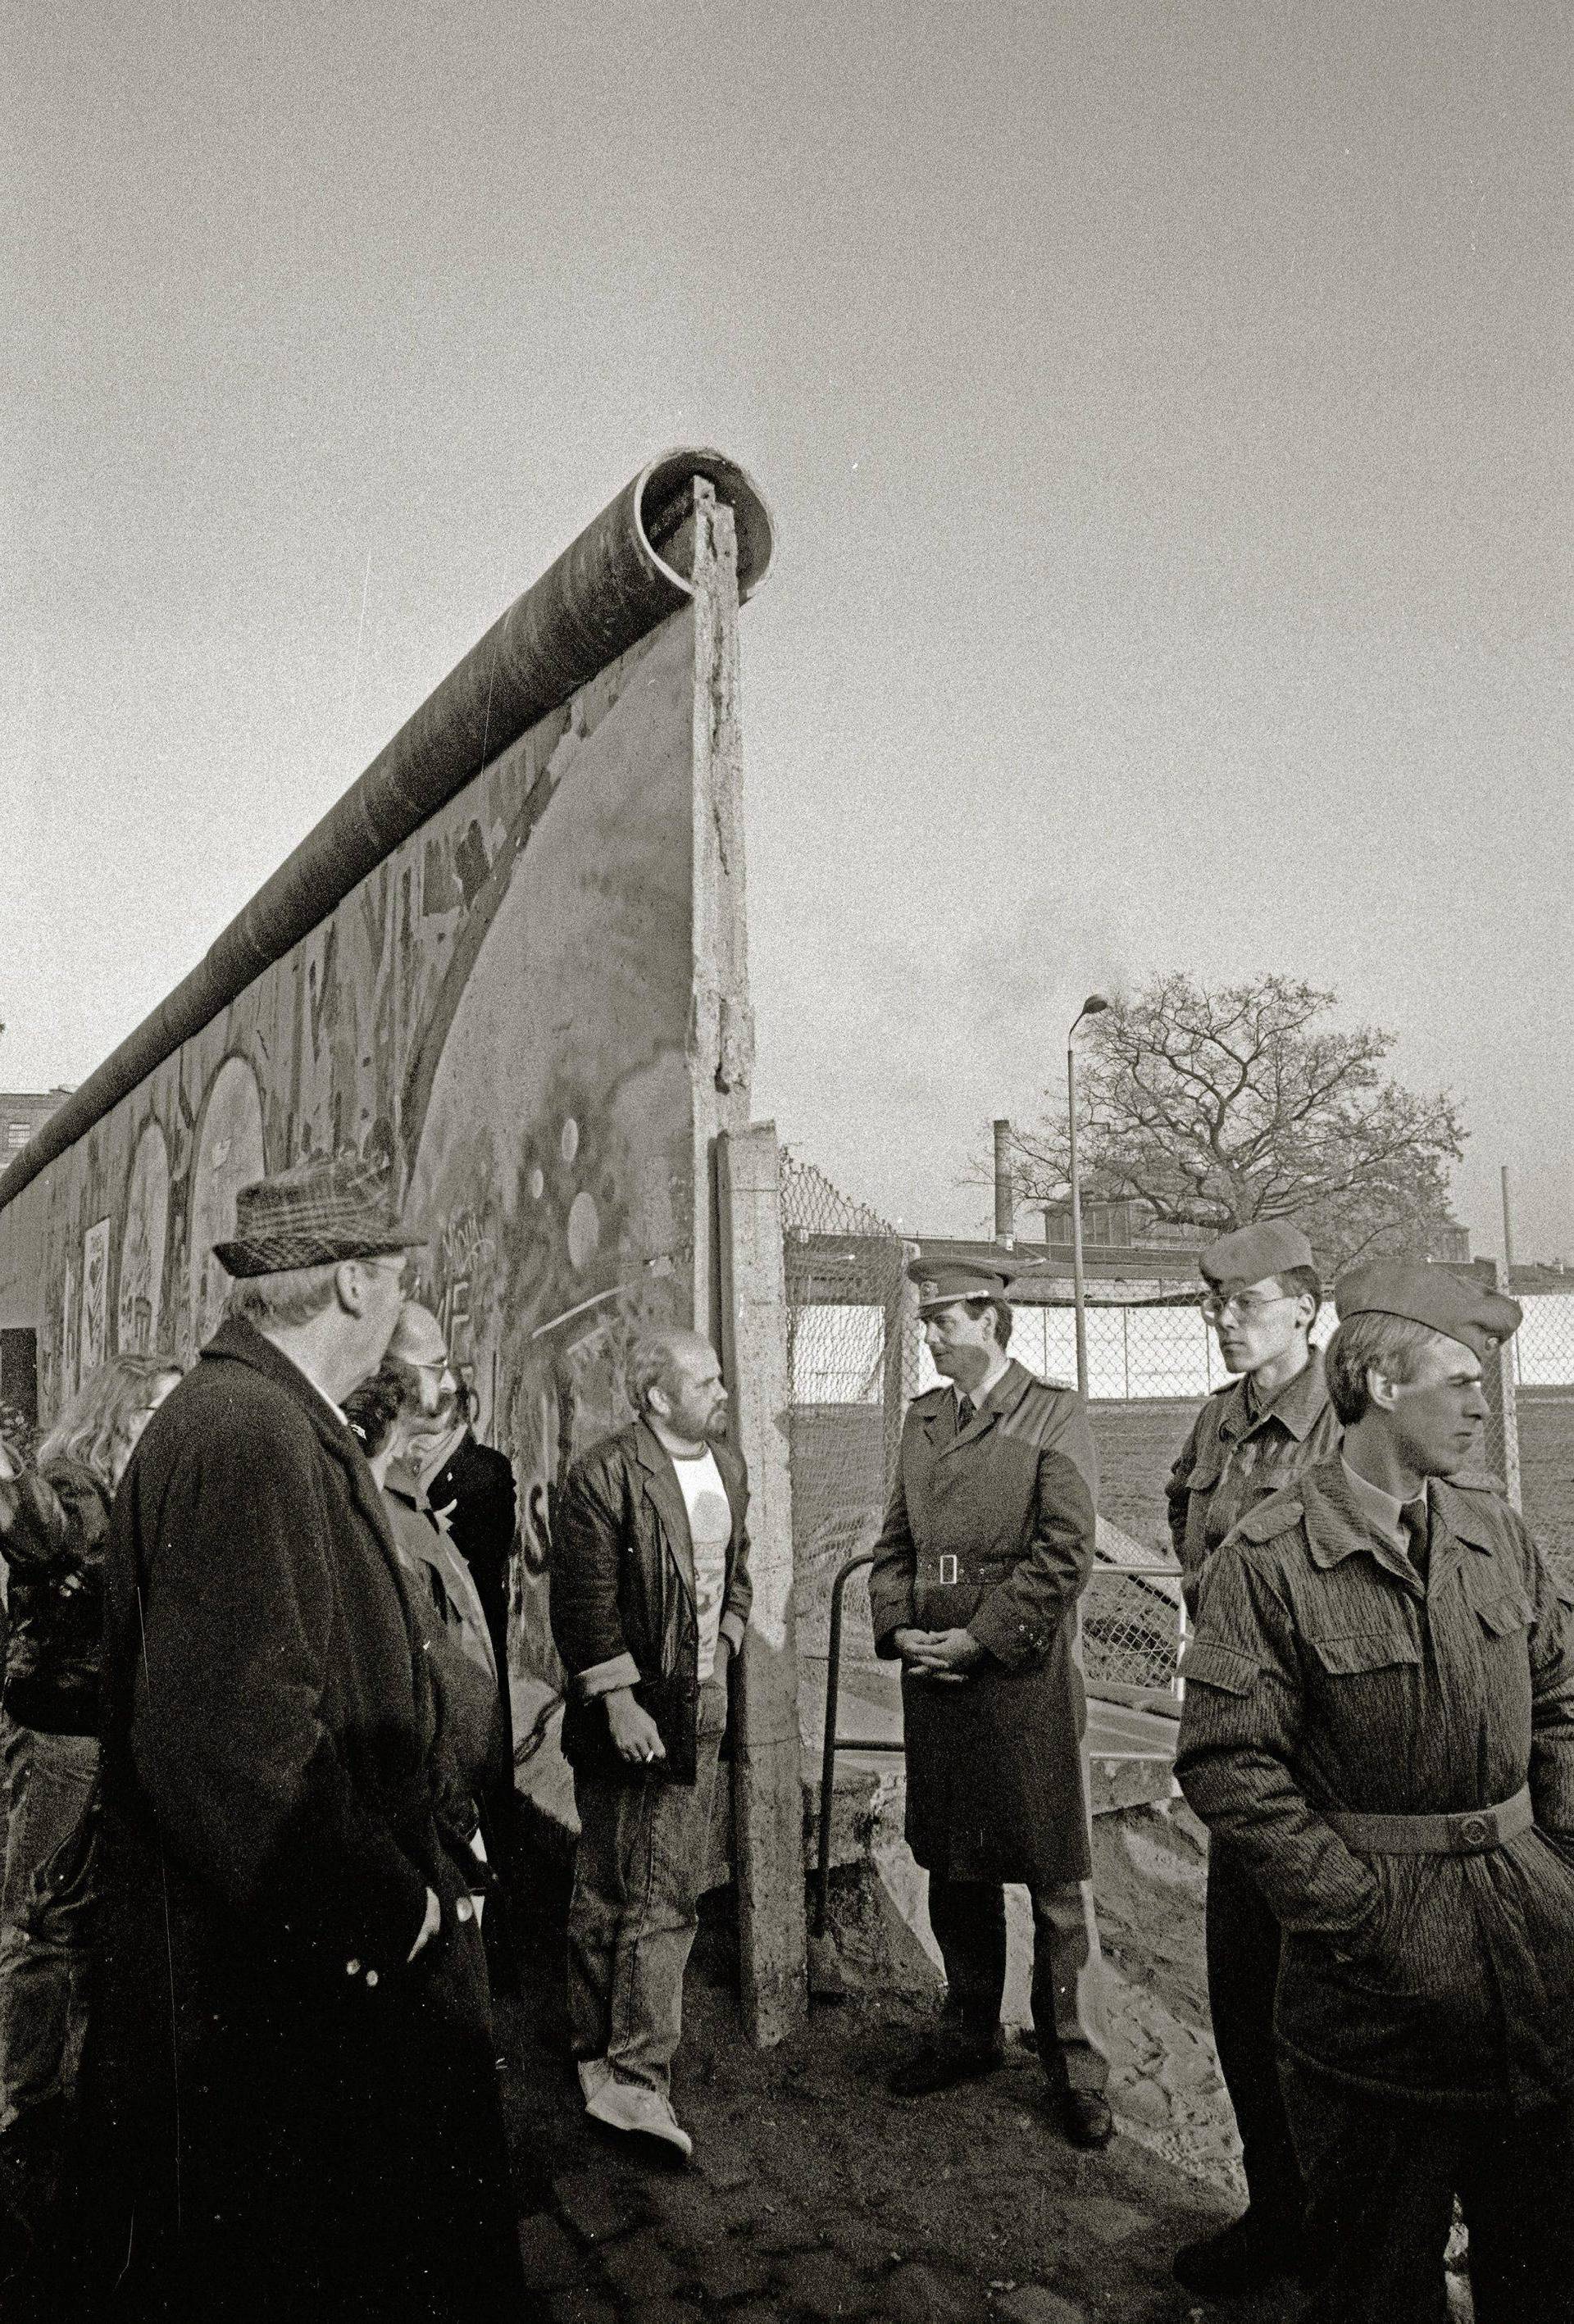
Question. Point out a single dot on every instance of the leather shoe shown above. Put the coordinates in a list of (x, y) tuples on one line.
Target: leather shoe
[(1087, 2119), (1250, 2254), (937, 2066)]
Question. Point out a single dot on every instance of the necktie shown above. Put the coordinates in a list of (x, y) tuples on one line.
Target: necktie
[(964, 1413), (1413, 1517)]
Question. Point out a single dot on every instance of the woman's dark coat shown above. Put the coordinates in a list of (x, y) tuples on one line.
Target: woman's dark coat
[(995, 1784), (54, 1524), (623, 1595), (286, 2116)]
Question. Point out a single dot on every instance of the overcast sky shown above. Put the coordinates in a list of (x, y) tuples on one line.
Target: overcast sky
[(1164, 408)]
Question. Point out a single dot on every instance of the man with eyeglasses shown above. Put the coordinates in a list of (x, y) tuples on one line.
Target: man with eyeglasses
[(1380, 1716), (1250, 1440)]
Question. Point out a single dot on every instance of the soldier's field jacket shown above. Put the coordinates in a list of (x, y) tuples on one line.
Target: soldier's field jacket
[(1324, 1676), (1236, 1456), (992, 1530)]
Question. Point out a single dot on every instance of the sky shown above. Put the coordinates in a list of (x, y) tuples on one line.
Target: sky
[(1164, 412)]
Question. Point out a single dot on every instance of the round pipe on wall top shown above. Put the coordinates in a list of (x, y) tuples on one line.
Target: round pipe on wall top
[(608, 589)]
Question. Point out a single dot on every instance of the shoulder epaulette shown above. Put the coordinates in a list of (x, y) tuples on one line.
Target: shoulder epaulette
[(1276, 1515)]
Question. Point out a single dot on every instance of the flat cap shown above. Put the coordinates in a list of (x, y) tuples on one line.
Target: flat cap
[(1251, 1254), (1480, 1318), (321, 1211), (989, 1276)]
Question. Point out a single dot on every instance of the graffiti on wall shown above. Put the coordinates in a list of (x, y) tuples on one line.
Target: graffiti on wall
[(501, 1015), (139, 1303), (95, 1297)]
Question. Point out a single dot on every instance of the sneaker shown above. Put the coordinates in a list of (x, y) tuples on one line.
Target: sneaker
[(1250, 2254), (631, 2107), (593, 2074)]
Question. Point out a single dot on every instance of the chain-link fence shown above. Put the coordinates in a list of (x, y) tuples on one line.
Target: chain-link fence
[(857, 1357), (1544, 1396)]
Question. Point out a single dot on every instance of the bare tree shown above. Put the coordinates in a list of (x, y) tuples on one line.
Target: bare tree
[(1214, 1108)]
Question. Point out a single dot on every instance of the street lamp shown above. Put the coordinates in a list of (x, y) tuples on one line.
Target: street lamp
[(1093, 1006)]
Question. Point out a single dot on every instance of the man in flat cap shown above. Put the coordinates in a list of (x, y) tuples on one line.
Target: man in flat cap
[(1380, 1719), (294, 2108), (1250, 1439), (986, 1548)]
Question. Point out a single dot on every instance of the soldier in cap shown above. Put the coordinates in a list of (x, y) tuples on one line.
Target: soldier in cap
[(1380, 1719), (985, 1551), (1249, 1439)]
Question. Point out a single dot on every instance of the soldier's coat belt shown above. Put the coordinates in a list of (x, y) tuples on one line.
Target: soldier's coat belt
[(1466, 1833)]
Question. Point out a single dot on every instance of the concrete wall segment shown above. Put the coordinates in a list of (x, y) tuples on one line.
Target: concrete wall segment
[(614, 584), (533, 1008)]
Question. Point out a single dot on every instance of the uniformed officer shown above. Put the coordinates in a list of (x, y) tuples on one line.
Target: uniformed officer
[(985, 1551), (1380, 1718), (1250, 1440)]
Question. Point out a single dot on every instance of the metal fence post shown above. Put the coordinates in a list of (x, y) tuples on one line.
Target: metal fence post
[(1500, 1394)]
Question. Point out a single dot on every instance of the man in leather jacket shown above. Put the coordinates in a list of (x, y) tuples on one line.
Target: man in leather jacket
[(651, 1597)]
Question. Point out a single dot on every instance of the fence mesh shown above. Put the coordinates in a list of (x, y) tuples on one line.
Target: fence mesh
[(857, 1357)]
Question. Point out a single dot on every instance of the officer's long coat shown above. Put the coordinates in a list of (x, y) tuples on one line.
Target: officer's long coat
[(995, 1782), (1325, 1677)]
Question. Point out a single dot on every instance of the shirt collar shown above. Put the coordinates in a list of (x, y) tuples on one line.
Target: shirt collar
[(986, 1387), (1379, 1509), (1297, 1406)]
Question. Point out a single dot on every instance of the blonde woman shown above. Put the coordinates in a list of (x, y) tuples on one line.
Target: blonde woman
[(54, 1526)]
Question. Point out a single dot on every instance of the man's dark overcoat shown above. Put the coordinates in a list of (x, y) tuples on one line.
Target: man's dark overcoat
[(285, 2116), (995, 1783)]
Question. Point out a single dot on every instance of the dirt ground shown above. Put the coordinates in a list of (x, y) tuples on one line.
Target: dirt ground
[(815, 2194)]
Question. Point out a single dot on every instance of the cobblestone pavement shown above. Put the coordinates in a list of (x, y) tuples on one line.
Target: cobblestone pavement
[(814, 2195)]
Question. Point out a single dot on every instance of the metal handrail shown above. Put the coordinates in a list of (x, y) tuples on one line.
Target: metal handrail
[(831, 1742), (1172, 1571)]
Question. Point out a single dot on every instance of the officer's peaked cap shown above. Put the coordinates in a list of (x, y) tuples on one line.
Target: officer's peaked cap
[(988, 1275), (1461, 1309)]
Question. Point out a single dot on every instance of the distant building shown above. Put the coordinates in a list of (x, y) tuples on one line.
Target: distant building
[(23, 1113), (1123, 1240)]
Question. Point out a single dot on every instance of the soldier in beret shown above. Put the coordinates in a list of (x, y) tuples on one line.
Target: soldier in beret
[(1380, 1719), (1250, 1439), (985, 1551)]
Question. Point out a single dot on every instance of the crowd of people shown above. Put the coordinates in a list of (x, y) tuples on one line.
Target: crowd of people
[(260, 1772)]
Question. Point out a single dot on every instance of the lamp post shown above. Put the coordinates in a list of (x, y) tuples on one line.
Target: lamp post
[(1091, 1007)]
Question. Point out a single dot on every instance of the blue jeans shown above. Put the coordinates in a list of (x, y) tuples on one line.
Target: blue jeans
[(44, 1906), (632, 1920)]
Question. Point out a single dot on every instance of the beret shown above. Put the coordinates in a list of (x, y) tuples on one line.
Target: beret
[(1267, 1247), (1480, 1318), (941, 1281)]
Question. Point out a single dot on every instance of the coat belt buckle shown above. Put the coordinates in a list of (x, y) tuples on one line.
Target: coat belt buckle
[(1478, 1831), (948, 1567)]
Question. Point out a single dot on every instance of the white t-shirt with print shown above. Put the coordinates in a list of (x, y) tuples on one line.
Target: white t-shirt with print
[(710, 1526)]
